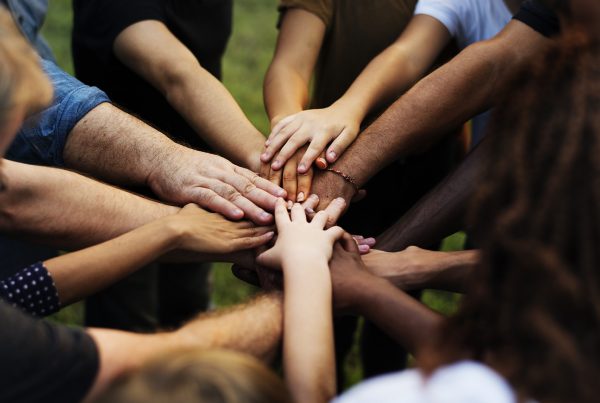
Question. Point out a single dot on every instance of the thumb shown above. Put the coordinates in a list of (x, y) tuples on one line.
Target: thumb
[(348, 243)]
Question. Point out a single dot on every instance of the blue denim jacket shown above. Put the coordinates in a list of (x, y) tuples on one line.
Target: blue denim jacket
[(42, 138), (30, 15)]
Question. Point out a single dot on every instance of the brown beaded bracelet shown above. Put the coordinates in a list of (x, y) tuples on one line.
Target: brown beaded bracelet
[(347, 178)]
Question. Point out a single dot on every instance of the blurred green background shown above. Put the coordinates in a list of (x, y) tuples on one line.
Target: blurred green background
[(249, 53)]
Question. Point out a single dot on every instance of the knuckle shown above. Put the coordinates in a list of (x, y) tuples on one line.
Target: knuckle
[(230, 194), (249, 188)]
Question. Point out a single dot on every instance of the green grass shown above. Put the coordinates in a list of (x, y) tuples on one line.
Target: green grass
[(249, 53)]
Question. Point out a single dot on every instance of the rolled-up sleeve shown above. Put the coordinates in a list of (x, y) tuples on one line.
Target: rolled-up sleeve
[(42, 139)]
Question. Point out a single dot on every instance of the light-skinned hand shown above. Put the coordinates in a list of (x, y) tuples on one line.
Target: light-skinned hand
[(216, 184), (296, 184), (299, 240), (200, 231), (333, 126)]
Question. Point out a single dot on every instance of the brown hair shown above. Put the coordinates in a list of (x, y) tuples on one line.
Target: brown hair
[(533, 311), (22, 81), (207, 376)]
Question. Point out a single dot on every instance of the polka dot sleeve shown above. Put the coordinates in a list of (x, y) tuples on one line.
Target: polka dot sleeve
[(32, 290)]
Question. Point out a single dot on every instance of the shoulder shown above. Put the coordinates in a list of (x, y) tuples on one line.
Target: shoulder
[(460, 382)]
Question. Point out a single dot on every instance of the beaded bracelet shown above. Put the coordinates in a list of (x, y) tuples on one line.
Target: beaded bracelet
[(346, 177)]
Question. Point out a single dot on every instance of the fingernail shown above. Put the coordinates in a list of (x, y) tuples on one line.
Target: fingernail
[(309, 210), (359, 237), (281, 193), (340, 200), (370, 241), (290, 204), (267, 143), (332, 154), (302, 168), (276, 165), (270, 234), (237, 212), (300, 197), (265, 216), (363, 248), (264, 157), (321, 163), (314, 196)]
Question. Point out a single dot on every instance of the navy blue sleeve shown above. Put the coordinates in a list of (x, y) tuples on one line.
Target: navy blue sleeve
[(32, 290), (42, 138)]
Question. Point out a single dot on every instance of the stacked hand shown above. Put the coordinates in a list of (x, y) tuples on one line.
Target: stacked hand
[(216, 184), (296, 141), (333, 127), (197, 230), (298, 239)]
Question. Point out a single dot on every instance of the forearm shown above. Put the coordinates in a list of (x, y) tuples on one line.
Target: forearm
[(438, 103), (470, 83), (285, 93), (403, 318), (69, 211), (387, 76), (417, 269), (441, 211), (80, 274), (308, 334), (115, 146), (213, 113), (254, 328)]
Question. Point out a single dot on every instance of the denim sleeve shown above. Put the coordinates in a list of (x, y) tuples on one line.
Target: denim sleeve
[(42, 138)]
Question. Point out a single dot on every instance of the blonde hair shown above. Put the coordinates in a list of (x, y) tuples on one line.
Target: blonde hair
[(207, 376), (22, 81)]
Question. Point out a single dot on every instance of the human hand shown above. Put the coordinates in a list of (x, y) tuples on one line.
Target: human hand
[(297, 185), (348, 274), (189, 176), (319, 127), (299, 240), (197, 230)]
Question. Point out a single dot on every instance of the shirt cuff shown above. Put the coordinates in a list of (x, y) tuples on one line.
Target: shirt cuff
[(43, 137), (32, 290)]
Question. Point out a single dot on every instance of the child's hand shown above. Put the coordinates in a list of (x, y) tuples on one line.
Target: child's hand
[(198, 230), (319, 127), (299, 242)]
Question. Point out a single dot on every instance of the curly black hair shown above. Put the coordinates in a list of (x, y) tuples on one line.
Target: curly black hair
[(533, 310)]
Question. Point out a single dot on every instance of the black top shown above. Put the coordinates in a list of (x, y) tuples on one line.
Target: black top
[(203, 26), (32, 290), (539, 17), (42, 362)]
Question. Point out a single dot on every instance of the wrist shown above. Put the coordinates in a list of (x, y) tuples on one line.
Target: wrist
[(366, 290), (303, 262), (338, 186), (252, 158), (163, 163), (351, 107)]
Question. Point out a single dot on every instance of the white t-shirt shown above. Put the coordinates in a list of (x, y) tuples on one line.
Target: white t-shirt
[(463, 382), (469, 21)]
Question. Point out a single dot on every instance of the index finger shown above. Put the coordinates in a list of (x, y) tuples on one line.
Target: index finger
[(282, 216)]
